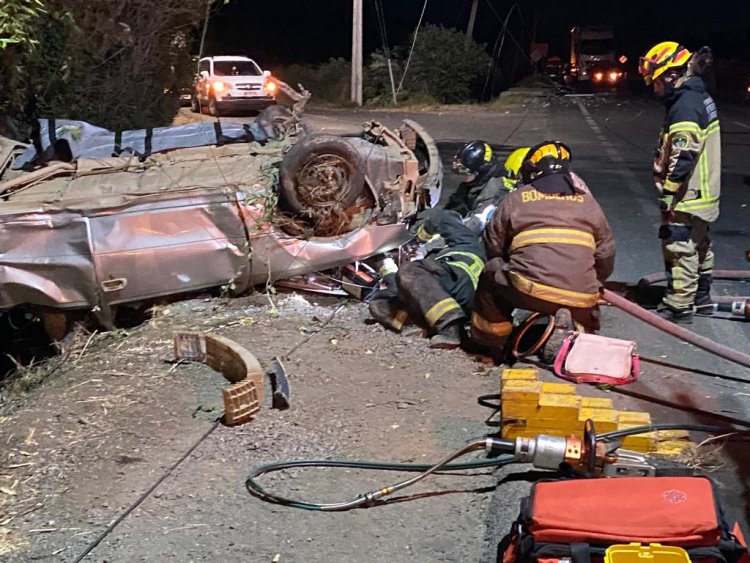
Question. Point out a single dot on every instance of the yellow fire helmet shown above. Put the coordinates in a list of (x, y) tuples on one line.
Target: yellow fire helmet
[(513, 168), (548, 157), (660, 58)]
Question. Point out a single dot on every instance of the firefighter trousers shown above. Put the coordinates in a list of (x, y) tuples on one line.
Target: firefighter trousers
[(688, 260), (432, 290), (496, 298)]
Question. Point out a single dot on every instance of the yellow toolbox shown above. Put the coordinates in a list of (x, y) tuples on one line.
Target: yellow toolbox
[(652, 553)]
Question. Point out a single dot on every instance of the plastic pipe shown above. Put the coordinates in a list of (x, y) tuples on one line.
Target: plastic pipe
[(677, 331)]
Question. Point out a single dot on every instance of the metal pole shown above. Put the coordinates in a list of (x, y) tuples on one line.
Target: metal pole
[(472, 21), (393, 82), (357, 53), (205, 28)]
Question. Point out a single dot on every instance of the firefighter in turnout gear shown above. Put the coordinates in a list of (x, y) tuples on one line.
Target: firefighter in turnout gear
[(687, 173), (439, 289), (486, 181), (549, 250)]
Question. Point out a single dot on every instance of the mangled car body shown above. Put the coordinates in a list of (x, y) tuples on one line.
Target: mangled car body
[(105, 219)]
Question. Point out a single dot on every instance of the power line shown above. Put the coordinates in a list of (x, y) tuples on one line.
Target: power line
[(512, 37), (411, 50)]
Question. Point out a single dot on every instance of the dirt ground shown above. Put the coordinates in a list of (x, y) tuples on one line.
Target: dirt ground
[(111, 420)]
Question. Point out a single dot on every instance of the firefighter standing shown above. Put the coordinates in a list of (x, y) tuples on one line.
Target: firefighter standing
[(687, 173), (486, 180), (439, 289), (549, 250)]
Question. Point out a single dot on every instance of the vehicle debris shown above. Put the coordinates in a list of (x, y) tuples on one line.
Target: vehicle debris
[(99, 220)]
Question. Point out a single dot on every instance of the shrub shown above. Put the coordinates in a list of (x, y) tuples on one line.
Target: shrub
[(444, 66), (328, 82), (117, 64)]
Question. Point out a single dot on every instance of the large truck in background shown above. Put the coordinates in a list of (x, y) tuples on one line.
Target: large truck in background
[(592, 56)]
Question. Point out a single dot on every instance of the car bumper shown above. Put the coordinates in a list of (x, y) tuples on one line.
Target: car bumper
[(245, 103)]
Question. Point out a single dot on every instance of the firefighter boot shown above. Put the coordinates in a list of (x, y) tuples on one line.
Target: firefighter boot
[(388, 313), (681, 317), (563, 326), (449, 338), (704, 305)]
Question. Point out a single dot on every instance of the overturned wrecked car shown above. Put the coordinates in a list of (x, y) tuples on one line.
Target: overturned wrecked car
[(93, 220)]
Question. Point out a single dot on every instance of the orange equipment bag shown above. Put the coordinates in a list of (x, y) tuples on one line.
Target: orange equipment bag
[(577, 520)]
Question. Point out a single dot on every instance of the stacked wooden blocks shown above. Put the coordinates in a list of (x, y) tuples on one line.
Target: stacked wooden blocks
[(530, 407)]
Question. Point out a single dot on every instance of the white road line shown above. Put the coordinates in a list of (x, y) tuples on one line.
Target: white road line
[(632, 183), (741, 124)]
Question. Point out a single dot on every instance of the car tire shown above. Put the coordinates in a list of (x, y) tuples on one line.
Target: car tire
[(327, 165), (213, 107)]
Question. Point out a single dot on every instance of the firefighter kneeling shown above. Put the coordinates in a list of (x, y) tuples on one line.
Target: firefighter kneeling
[(438, 289), (549, 250)]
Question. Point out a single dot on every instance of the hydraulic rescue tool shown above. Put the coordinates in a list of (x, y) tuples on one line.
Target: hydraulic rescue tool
[(587, 456), (590, 456)]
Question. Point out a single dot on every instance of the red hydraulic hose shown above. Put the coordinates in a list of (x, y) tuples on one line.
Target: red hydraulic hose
[(659, 277), (677, 331)]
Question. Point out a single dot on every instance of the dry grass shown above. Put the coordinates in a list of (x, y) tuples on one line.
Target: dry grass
[(27, 377), (706, 456)]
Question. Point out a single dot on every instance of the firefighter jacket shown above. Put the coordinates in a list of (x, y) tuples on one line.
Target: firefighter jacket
[(472, 197), (554, 240), (687, 167), (463, 251)]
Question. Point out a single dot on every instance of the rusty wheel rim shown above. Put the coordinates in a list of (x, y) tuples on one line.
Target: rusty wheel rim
[(324, 181)]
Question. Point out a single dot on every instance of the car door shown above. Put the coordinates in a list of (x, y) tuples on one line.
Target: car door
[(169, 246)]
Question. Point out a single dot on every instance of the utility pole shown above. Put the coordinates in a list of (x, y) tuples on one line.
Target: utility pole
[(472, 21), (357, 53)]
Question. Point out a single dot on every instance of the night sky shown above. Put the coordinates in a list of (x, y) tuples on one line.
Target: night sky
[(299, 31)]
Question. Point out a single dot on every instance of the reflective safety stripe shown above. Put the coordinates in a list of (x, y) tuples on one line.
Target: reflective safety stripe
[(473, 269), (433, 315), (503, 328), (553, 294), (553, 235), (686, 126), (678, 278), (692, 127)]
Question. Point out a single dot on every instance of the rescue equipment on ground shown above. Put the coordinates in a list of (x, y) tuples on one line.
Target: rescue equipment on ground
[(582, 358), (592, 358), (677, 331), (565, 521), (360, 280), (722, 306), (652, 553), (589, 456)]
